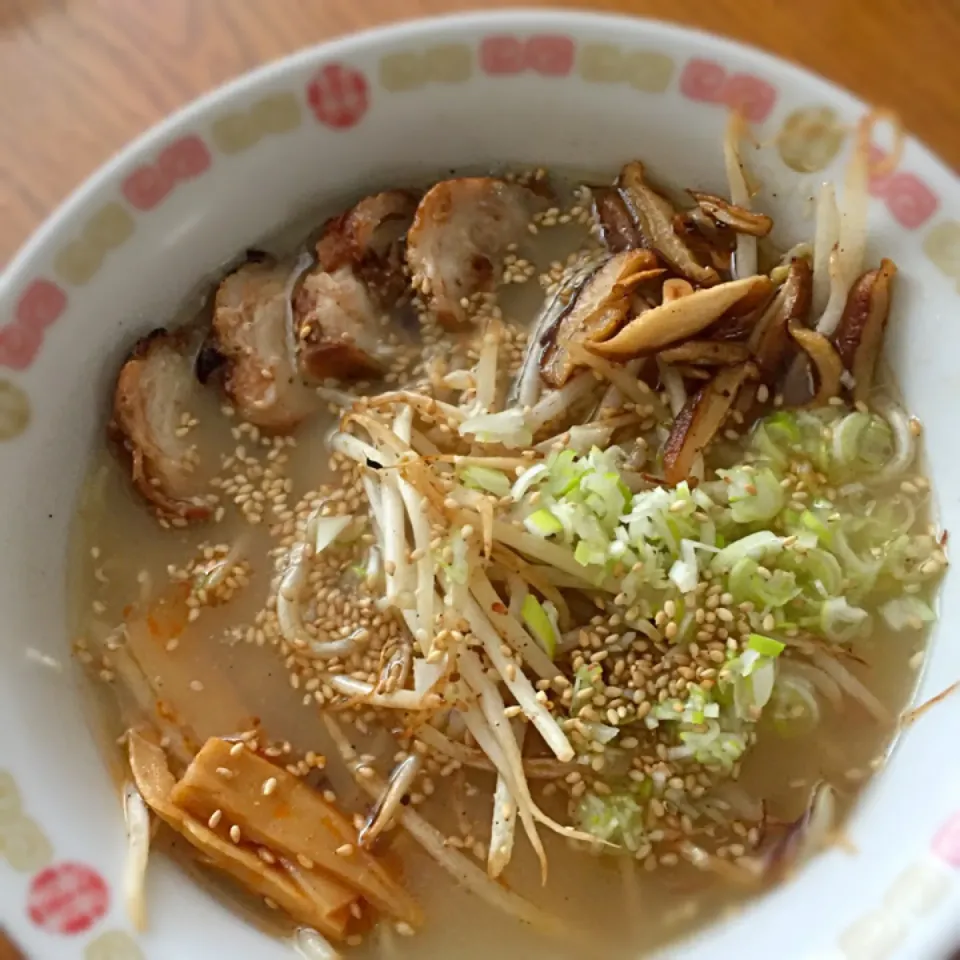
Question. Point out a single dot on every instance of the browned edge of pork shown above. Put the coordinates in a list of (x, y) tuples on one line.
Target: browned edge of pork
[(369, 238), (252, 332), (147, 408), (461, 233)]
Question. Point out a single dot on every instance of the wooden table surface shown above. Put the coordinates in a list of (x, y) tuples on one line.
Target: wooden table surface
[(80, 78)]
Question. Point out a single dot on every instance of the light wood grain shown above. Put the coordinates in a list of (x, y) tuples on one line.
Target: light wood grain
[(80, 78)]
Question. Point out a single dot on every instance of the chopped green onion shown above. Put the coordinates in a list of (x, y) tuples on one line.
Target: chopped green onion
[(486, 479), (906, 613), (507, 427), (756, 546), (841, 622), (766, 646), (543, 523), (755, 495), (536, 618), (617, 818)]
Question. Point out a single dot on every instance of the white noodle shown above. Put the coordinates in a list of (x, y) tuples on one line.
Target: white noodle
[(677, 395), (581, 438), (557, 402), (292, 585), (415, 506), (623, 378), (745, 261), (372, 490), (552, 554), (905, 444), (517, 589), (355, 448), (396, 700), (486, 369), (310, 945), (490, 729), (851, 685), (503, 826), (394, 542), (455, 863), (825, 239), (420, 524), (612, 399), (673, 386), (429, 407), (851, 235), (137, 818), (541, 768), (510, 628), (517, 682), (492, 706), (422, 445)]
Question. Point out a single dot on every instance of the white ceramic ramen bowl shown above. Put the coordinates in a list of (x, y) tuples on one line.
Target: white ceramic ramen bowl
[(525, 88)]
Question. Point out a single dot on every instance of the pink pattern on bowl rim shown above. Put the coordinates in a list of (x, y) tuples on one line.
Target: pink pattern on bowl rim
[(185, 158), (946, 842), (550, 55), (910, 201), (39, 306), (149, 185), (19, 345), (67, 898), (339, 96), (706, 81)]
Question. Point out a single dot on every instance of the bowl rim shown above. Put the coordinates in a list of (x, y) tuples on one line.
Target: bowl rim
[(527, 17), (938, 931)]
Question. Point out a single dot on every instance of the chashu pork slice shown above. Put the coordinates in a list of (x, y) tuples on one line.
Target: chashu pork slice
[(459, 238), (150, 398), (252, 332), (342, 305)]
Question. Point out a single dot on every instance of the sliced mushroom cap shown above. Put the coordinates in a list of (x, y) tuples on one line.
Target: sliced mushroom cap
[(617, 229), (674, 289), (252, 331), (338, 326), (770, 340), (459, 237), (682, 318), (826, 363), (739, 322), (654, 216), (730, 215), (706, 353), (700, 420), (149, 401), (859, 337), (596, 312), (368, 238), (708, 241)]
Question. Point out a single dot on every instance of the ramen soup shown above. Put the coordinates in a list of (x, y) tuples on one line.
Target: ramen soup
[(521, 563)]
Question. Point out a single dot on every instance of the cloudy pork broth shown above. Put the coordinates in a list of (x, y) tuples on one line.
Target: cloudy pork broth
[(538, 531)]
